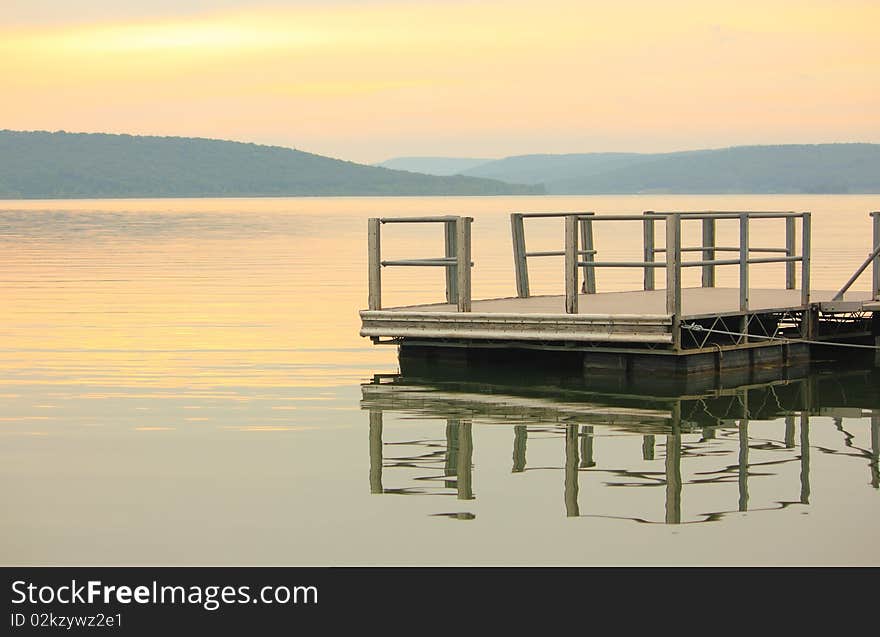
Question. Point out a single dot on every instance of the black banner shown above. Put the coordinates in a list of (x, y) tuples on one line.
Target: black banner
[(147, 600)]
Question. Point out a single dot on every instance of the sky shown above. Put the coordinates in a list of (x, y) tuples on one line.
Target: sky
[(372, 79)]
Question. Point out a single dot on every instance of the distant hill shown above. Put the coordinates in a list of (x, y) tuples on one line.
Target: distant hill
[(801, 168), (538, 169), (819, 168), (71, 165), (434, 165)]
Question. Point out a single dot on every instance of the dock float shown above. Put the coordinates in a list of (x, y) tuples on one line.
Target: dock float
[(677, 331)]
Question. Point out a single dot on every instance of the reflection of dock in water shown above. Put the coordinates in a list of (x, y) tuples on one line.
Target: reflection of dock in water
[(674, 435)]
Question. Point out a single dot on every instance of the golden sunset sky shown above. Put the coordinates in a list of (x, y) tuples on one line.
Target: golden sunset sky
[(374, 79)]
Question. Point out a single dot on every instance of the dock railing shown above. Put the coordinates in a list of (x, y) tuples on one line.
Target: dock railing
[(521, 255), (874, 258), (580, 242), (580, 254), (457, 260), (708, 250)]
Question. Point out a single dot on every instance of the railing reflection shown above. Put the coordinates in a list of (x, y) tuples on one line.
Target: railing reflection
[(450, 468), (571, 471), (743, 464), (465, 462), (520, 440), (875, 449), (376, 451), (805, 459), (704, 427)]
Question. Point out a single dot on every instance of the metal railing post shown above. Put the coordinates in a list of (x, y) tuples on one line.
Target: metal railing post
[(673, 275), (648, 242), (374, 264), (744, 262), (744, 274), (709, 252), (450, 232), (589, 285), (571, 264), (805, 259), (875, 287), (520, 262), (789, 252), (463, 267)]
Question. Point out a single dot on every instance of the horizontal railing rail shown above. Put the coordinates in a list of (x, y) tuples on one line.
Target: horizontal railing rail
[(725, 249), (434, 219), (436, 261), (685, 264), (556, 253)]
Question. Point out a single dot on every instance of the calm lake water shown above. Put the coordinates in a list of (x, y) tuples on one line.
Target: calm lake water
[(182, 382)]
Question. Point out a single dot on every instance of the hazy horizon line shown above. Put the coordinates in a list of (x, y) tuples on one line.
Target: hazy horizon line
[(440, 156)]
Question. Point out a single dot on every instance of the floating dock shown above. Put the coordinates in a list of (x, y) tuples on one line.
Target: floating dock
[(704, 331)]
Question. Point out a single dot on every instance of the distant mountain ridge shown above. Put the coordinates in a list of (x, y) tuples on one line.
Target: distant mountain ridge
[(443, 166), (41, 164), (791, 168)]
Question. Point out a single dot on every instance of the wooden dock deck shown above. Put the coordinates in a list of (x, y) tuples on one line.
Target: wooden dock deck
[(674, 320), (634, 316)]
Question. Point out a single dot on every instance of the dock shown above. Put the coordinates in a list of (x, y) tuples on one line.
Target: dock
[(667, 329)]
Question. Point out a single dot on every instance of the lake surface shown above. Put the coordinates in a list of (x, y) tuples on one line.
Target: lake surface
[(182, 382)]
